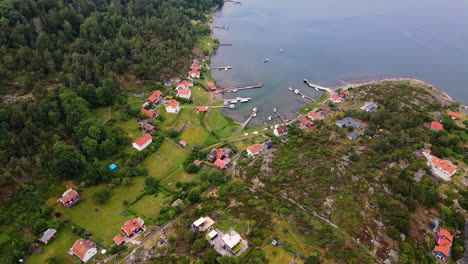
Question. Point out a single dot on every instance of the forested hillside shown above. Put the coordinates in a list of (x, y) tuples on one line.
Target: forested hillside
[(68, 42), (70, 57)]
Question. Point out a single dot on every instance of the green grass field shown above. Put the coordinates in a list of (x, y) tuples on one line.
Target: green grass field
[(56, 248), (277, 255), (101, 114), (178, 175), (199, 95), (104, 221), (149, 205), (223, 126), (167, 158), (130, 126)]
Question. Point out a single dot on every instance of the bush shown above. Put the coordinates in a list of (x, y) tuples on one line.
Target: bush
[(102, 196)]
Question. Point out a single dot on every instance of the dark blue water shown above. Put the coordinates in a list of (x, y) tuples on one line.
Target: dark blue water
[(333, 40)]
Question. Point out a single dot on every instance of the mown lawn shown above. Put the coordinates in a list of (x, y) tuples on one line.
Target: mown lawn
[(277, 255), (223, 126), (149, 205), (101, 114), (166, 159), (57, 248), (105, 220), (225, 224), (199, 95), (178, 175)]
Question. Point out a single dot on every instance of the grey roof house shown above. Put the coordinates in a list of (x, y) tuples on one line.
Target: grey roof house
[(349, 122), (369, 107), (353, 135)]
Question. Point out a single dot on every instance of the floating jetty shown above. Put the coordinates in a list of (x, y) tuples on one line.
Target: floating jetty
[(237, 100), (282, 119), (225, 44), (296, 91), (254, 114), (316, 86), (233, 1), (235, 89)]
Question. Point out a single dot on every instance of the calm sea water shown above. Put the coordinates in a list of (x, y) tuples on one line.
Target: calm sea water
[(327, 41)]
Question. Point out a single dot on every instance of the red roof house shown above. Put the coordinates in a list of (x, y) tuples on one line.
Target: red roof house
[(183, 143), (305, 123), (172, 107), (194, 74), (69, 198), (149, 113), (336, 99), (183, 85), (154, 97), (314, 115), (211, 86), (133, 226), (184, 93), (197, 162), (444, 240), (437, 126), (254, 150), (195, 67), (281, 130), (142, 142), (119, 240), (202, 109), (220, 164), (84, 249), (454, 115)]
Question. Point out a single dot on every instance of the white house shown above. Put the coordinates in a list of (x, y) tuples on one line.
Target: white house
[(336, 99), (173, 107), (231, 240), (254, 150), (184, 93), (369, 107), (194, 74), (441, 168), (142, 142), (84, 249)]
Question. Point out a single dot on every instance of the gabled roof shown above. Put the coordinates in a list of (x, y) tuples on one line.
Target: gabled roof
[(194, 73), (211, 85), (436, 125), (82, 246), (282, 129), (336, 98), (426, 151), (220, 163), (173, 104), (148, 112), (219, 152), (184, 91), (68, 196), (142, 140), (197, 162), (454, 114), (156, 94), (305, 121), (183, 83), (47, 235), (202, 108), (445, 165), (313, 115), (131, 225), (183, 143), (255, 148), (118, 239), (445, 233)]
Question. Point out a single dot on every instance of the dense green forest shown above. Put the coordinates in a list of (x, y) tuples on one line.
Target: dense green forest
[(73, 56)]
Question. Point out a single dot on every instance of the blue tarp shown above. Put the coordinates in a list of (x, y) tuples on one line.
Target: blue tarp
[(113, 167)]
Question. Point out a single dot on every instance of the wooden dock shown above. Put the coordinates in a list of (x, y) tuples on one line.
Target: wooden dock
[(235, 89), (254, 113), (282, 119), (233, 1), (225, 44), (316, 86), (301, 94)]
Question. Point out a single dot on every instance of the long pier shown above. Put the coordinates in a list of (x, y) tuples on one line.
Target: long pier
[(282, 119), (317, 87), (225, 44), (220, 68), (220, 27), (233, 1), (238, 99), (235, 89), (296, 91), (254, 114)]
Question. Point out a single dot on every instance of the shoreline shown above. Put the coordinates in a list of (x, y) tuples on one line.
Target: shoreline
[(442, 96)]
